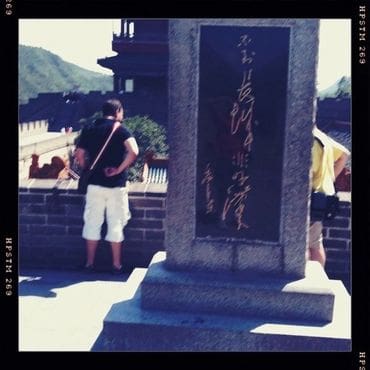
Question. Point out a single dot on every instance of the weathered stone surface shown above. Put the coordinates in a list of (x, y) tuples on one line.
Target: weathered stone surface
[(308, 299), (130, 327), (182, 243)]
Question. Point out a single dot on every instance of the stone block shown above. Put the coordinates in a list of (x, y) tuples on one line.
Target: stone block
[(145, 224), (31, 198), (145, 203), (154, 235), (129, 328), (74, 230), (338, 233), (137, 213), (32, 220), (335, 243), (48, 230), (134, 234), (339, 222), (308, 299), (155, 213), (56, 220)]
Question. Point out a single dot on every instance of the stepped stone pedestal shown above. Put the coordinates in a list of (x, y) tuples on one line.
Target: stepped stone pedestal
[(234, 276), (190, 320)]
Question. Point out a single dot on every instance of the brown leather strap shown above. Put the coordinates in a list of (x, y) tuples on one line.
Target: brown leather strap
[(115, 127)]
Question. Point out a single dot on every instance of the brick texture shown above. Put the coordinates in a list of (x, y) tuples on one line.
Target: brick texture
[(51, 226), (337, 243)]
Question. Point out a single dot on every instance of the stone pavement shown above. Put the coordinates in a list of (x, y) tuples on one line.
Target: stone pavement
[(64, 310)]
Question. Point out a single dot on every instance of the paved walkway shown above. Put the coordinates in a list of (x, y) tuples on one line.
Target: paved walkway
[(64, 311)]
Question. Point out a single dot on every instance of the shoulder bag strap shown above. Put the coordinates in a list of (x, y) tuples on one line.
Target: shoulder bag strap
[(115, 127)]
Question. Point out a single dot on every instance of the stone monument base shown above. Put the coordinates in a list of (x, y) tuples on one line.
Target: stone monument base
[(182, 311)]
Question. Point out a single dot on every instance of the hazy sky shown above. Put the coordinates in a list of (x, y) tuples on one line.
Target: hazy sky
[(334, 51), (83, 41)]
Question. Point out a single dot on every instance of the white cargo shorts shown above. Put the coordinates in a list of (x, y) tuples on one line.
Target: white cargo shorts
[(110, 202)]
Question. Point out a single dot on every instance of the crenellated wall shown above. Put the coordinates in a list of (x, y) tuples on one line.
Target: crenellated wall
[(50, 227), (33, 128)]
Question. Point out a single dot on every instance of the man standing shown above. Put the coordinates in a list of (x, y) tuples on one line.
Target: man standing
[(107, 194), (328, 160)]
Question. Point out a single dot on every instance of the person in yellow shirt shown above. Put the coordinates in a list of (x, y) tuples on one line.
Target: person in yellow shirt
[(328, 160)]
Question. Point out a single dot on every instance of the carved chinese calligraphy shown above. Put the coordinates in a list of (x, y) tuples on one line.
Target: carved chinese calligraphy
[(207, 181), (241, 125), (242, 102)]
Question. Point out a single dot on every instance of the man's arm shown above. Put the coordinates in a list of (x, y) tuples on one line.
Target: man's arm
[(339, 164), (80, 155), (132, 153), (341, 155)]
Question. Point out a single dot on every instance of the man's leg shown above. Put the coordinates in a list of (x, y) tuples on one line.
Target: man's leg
[(316, 251), (117, 217), (93, 220), (116, 255), (91, 246), (318, 254)]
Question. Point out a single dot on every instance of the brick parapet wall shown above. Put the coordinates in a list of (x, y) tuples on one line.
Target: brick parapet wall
[(337, 242), (51, 226), (51, 222)]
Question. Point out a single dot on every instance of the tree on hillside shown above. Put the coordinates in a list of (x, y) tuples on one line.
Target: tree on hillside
[(344, 88), (341, 89), (150, 137), (40, 71)]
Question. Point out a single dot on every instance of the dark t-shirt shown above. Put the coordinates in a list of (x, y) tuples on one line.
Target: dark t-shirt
[(93, 138)]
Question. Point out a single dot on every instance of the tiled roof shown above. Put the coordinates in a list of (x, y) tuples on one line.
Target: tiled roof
[(62, 111), (65, 111)]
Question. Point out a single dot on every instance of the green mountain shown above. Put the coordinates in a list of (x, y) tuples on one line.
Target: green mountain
[(341, 89), (41, 71)]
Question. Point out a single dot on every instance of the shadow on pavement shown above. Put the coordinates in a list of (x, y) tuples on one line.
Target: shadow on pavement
[(42, 282)]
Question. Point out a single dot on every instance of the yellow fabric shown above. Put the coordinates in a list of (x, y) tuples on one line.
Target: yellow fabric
[(323, 159)]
